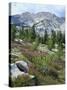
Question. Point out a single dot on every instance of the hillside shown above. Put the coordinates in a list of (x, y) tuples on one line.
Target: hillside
[(45, 20)]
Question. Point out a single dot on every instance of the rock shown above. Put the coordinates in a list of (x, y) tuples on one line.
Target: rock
[(16, 40), (23, 66), (55, 50), (56, 45), (14, 71), (31, 76), (18, 69)]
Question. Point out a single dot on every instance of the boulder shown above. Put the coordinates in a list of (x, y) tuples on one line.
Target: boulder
[(23, 66), (14, 71)]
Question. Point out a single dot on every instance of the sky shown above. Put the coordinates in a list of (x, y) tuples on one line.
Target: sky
[(18, 8)]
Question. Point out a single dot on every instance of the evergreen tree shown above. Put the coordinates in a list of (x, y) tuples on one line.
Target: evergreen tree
[(53, 37), (21, 33), (63, 38), (26, 34), (45, 37), (33, 33), (13, 32), (59, 38), (50, 44), (36, 43)]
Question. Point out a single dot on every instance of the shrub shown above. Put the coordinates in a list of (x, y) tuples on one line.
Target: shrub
[(52, 72), (22, 81)]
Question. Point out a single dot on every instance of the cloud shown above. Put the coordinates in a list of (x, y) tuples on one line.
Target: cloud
[(18, 8)]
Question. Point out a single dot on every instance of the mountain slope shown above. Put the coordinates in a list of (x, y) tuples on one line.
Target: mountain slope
[(42, 21)]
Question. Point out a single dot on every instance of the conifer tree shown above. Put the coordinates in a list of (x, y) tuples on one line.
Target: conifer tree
[(45, 37), (59, 38), (53, 37), (13, 32), (33, 33)]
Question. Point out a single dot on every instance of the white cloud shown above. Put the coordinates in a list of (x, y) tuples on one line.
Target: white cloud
[(17, 8)]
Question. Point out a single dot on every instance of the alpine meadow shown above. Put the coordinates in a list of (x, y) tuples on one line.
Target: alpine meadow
[(37, 44)]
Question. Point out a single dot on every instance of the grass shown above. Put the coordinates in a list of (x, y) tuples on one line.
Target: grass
[(48, 69)]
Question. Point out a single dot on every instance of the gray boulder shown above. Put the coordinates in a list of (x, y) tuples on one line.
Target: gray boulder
[(14, 71), (23, 66)]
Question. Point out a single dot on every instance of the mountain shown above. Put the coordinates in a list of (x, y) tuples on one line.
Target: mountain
[(42, 21)]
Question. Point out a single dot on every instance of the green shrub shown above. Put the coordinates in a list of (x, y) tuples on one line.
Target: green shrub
[(22, 81), (53, 72)]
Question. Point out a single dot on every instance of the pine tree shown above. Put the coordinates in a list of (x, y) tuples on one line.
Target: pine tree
[(33, 33), (35, 45), (13, 32), (53, 37), (20, 33), (50, 43), (63, 38), (45, 37), (59, 38)]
